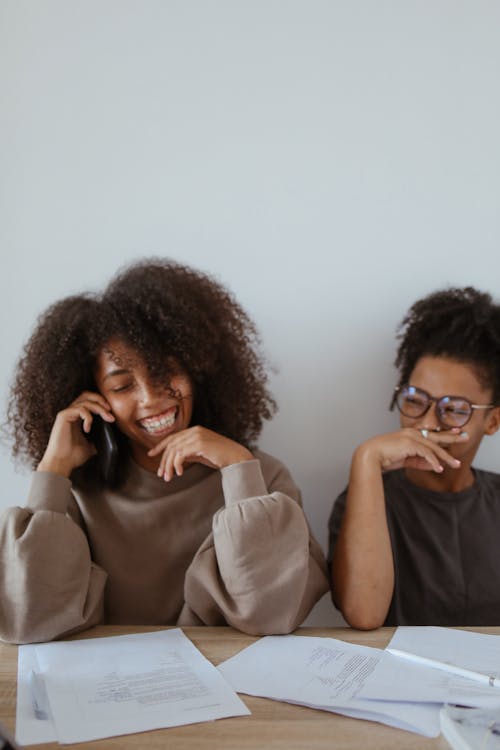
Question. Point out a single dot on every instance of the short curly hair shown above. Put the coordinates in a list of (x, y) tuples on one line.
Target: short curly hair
[(168, 313), (459, 323)]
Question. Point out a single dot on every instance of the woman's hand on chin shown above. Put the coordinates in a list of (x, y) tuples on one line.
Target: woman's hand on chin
[(411, 448), (197, 445)]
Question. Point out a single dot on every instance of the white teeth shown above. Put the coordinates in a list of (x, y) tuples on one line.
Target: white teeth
[(159, 423)]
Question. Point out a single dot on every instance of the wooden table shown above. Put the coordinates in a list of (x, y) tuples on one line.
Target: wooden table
[(273, 725)]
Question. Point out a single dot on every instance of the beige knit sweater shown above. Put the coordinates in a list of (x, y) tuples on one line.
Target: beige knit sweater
[(210, 547)]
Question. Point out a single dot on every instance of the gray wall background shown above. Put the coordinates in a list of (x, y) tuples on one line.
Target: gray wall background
[(329, 161)]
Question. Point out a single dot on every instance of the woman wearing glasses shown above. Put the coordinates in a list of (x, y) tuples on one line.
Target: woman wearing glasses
[(415, 539)]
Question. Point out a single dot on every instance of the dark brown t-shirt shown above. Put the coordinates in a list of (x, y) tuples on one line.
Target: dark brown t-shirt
[(446, 550)]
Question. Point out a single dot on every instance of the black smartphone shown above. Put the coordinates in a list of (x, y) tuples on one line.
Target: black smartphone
[(102, 434)]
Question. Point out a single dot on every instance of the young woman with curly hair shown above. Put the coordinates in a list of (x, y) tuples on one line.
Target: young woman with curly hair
[(189, 524), (414, 539)]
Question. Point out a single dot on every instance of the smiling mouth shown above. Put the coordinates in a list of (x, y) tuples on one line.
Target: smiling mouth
[(160, 422)]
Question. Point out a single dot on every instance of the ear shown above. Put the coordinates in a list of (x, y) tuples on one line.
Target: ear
[(492, 423)]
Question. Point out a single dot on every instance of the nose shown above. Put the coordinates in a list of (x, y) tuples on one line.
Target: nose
[(429, 420), (148, 391)]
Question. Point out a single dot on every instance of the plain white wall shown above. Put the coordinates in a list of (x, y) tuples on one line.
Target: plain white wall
[(329, 161)]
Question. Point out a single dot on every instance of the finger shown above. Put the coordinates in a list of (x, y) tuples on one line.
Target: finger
[(416, 462), (441, 456), (161, 446), (169, 466), (96, 408), (93, 397), (161, 466), (435, 445), (179, 464), (169, 442), (445, 438), (430, 457), (86, 417)]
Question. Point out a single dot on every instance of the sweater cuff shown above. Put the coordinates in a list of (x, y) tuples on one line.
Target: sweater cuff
[(49, 491), (243, 480)]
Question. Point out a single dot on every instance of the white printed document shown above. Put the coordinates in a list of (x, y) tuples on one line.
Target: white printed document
[(396, 678), (102, 687), (322, 673)]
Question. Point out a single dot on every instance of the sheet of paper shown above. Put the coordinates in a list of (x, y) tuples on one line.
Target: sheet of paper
[(321, 673), (396, 679), (102, 687), (475, 651), (33, 725)]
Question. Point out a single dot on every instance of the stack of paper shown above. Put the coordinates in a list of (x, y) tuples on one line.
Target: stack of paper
[(404, 686), (83, 690), (323, 673)]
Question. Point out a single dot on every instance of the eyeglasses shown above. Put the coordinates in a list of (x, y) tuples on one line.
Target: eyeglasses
[(452, 411)]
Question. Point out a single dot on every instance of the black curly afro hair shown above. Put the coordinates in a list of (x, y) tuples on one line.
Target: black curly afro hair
[(459, 323), (166, 312)]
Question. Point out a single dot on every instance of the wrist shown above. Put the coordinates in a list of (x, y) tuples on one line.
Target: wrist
[(238, 457), (243, 480), (55, 466), (366, 457)]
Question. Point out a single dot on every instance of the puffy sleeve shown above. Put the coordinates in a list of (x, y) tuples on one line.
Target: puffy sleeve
[(49, 585), (260, 570)]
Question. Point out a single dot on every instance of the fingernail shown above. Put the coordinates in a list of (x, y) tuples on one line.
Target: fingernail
[(456, 462), (464, 434), (439, 469)]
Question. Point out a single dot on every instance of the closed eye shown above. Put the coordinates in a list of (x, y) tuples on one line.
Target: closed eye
[(121, 388), (415, 401)]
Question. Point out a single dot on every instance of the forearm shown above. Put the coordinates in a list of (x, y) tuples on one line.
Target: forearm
[(362, 567), (268, 570), (48, 584), (263, 547)]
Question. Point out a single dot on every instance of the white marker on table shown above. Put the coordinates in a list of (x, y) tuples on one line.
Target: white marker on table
[(485, 679)]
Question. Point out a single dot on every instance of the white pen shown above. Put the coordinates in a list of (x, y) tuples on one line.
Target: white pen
[(451, 668), (38, 696)]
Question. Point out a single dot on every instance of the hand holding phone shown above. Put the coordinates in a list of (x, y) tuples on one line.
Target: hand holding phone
[(68, 446)]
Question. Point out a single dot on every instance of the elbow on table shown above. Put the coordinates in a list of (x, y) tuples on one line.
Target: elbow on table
[(362, 617), (20, 635), (266, 618), (265, 626), (363, 607)]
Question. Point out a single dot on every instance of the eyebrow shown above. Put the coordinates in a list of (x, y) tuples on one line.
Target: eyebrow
[(111, 374)]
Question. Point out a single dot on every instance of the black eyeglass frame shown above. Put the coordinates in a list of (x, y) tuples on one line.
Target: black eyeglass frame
[(437, 401)]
